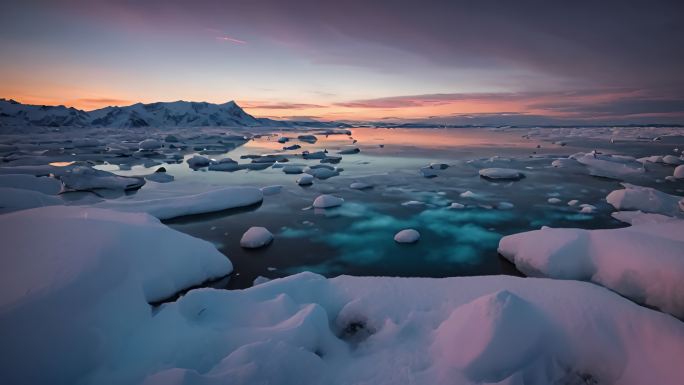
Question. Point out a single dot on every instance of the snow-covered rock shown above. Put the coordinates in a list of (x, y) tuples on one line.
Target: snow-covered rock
[(325, 201), (407, 236), (305, 180), (501, 173), (642, 262), (256, 237), (646, 199), (206, 202)]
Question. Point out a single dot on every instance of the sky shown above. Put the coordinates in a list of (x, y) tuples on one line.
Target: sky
[(382, 60)]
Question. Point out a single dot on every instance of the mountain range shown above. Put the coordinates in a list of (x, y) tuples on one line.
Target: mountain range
[(161, 114)]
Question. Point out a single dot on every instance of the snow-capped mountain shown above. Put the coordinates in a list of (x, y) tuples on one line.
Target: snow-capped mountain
[(174, 114), (161, 114), (13, 113)]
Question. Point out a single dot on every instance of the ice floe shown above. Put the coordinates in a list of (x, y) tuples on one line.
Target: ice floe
[(501, 173), (646, 199), (360, 186), (210, 201), (45, 185), (272, 190), (643, 262), (305, 180), (84, 178)]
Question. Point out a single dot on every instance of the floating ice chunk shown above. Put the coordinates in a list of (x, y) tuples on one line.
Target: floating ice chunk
[(45, 185), (308, 138), (651, 159), (272, 190), (259, 280), (407, 236), (171, 139), (160, 176), (642, 262), (283, 139), (587, 209), (293, 169), (305, 180), (83, 178), (428, 172), (331, 159), (505, 206), (679, 172), (456, 205), (198, 161), (326, 201), (314, 155), (501, 173), (470, 194), (610, 166), (360, 186), (438, 166), (554, 200), (322, 173), (413, 203), (349, 151), (149, 145), (673, 160), (646, 199), (573, 202), (292, 147), (225, 164), (565, 162), (206, 202), (256, 237)]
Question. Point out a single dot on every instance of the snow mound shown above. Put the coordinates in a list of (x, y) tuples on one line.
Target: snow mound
[(206, 202), (646, 199), (407, 236), (501, 173), (45, 185), (643, 262), (503, 334), (325, 201), (256, 237), (81, 280)]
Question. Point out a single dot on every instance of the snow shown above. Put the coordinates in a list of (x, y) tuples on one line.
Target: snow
[(325, 201), (14, 199), (643, 262), (501, 173), (45, 185), (177, 206), (679, 172), (305, 329), (407, 236), (256, 237), (305, 180), (81, 282), (646, 199)]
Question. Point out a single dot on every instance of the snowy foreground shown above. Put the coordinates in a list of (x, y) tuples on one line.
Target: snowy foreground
[(78, 306)]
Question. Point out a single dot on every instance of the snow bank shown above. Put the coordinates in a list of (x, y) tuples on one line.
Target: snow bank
[(206, 202), (78, 282), (305, 329), (643, 262), (646, 199)]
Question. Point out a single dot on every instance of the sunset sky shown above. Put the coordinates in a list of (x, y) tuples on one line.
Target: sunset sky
[(354, 60)]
